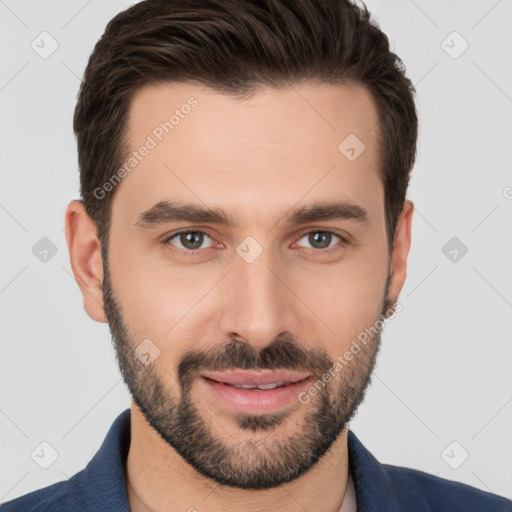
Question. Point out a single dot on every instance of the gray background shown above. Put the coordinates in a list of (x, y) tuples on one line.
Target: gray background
[(444, 373)]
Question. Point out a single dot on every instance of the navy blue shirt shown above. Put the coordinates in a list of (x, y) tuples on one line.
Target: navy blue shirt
[(101, 486)]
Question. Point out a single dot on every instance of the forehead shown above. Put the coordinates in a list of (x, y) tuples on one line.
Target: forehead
[(256, 155)]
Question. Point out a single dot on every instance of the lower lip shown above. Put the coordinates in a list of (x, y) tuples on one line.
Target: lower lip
[(256, 401)]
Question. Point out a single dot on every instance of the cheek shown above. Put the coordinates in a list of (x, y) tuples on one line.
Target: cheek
[(158, 301), (347, 297)]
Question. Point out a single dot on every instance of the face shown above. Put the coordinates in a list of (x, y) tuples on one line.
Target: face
[(231, 289)]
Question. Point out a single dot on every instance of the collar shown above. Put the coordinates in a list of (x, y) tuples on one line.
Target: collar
[(375, 490)]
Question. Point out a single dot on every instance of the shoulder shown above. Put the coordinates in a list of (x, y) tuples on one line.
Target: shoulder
[(409, 490), (100, 486), (415, 487), (65, 495)]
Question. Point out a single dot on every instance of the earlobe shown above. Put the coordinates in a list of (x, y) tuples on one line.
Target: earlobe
[(401, 247), (85, 258)]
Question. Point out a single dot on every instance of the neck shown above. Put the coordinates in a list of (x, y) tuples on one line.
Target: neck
[(159, 480)]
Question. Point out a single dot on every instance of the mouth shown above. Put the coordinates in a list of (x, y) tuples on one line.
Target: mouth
[(255, 392)]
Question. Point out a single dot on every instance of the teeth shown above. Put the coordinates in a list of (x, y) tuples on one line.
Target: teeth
[(272, 385)]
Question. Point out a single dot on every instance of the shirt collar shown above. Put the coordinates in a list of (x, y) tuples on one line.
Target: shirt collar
[(375, 490), (103, 480)]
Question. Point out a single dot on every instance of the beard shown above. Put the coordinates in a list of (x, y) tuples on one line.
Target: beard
[(254, 463)]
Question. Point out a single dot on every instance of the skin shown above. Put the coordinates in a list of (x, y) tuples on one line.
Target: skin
[(219, 156)]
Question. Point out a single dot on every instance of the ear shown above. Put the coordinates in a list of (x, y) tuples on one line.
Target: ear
[(85, 257), (401, 246)]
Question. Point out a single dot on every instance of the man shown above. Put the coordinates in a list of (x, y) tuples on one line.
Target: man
[(244, 231)]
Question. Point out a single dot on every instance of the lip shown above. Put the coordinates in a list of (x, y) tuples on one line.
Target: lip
[(254, 401)]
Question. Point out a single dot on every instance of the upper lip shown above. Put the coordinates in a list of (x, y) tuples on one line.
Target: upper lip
[(256, 378)]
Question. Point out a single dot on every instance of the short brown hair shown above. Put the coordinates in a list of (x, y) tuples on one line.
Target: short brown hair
[(234, 46)]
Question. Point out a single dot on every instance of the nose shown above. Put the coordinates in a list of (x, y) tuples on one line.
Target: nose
[(258, 303)]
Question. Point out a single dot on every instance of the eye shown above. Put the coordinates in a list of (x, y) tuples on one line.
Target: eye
[(323, 240), (189, 241)]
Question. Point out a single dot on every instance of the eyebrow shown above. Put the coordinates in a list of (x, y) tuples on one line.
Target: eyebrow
[(168, 211)]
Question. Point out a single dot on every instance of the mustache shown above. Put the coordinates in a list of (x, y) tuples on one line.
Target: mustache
[(282, 354)]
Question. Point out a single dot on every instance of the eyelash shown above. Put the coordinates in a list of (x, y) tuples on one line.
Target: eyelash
[(191, 253)]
